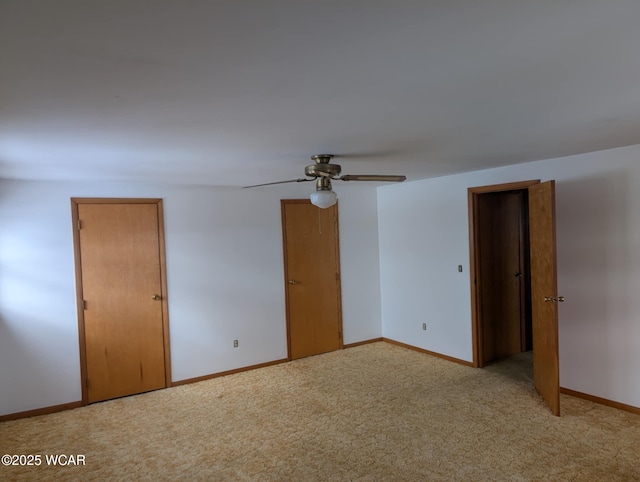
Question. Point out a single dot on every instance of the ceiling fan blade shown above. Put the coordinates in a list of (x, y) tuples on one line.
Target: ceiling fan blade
[(278, 182), (372, 177)]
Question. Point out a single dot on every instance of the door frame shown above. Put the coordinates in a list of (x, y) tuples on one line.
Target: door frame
[(476, 318), (75, 223), (283, 203)]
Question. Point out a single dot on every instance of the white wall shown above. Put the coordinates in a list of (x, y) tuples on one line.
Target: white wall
[(224, 247), (360, 268), (224, 271), (423, 235)]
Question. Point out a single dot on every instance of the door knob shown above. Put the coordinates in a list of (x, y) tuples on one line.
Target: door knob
[(156, 297), (518, 275), (293, 282), (554, 299)]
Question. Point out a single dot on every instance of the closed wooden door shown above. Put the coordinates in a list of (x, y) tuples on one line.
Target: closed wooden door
[(124, 331), (544, 293), (312, 278)]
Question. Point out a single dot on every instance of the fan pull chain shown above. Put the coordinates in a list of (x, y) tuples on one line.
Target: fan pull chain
[(319, 223)]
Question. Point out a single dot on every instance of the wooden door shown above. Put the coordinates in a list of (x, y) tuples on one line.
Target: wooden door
[(501, 271), (120, 256), (544, 293), (312, 278)]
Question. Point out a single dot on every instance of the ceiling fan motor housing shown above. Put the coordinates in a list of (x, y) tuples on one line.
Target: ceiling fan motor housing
[(325, 170)]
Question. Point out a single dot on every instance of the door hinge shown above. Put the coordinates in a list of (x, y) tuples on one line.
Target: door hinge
[(79, 225), (84, 304), (86, 383), (337, 276)]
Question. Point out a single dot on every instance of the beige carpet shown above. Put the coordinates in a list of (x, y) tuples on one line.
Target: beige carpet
[(376, 412)]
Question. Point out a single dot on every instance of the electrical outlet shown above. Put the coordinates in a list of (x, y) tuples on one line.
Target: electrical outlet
[(459, 268), (235, 343), (424, 326)]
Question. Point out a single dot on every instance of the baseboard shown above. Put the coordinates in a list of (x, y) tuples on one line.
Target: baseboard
[(228, 372), (566, 391), (601, 401), (253, 367), (40, 411), (365, 342), (422, 350), (72, 405)]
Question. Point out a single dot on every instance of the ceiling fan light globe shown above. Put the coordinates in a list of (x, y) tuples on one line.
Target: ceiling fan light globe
[(323, 199)]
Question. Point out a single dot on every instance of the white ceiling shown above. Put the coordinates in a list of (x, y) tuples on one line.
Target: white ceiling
[(237, 92)]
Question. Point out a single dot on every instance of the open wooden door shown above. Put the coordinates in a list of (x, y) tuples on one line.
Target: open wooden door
[(544, 293)]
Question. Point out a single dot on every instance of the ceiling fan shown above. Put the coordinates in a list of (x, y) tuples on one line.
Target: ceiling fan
[(323, 172)]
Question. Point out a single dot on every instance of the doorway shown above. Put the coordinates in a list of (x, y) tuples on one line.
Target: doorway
[(514, 287), (503, 275), (121, 293), (312, 278), (500, 271)]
